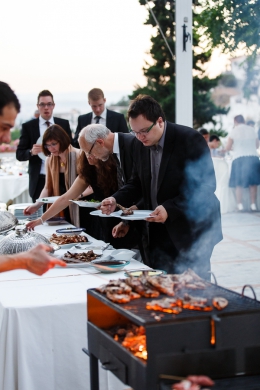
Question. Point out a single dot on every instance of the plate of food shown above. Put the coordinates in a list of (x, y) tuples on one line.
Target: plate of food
[(41, 154), (135, 215), (70, 231), (110, 265), (98, 213), (66, 241), (80, 259), (48, 199), (87, 203)]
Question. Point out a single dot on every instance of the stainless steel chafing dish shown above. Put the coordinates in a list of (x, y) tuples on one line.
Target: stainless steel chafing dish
[(21, 240), (7, 221)]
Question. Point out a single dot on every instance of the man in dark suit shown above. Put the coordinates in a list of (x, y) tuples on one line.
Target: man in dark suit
[(174, 174), (28, 149), (114, 121)]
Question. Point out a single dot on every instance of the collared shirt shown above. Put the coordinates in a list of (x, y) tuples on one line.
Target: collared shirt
[(42, 128), (156, 152), (102, 120)]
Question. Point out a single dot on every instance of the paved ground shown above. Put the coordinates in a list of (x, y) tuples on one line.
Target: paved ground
[(236, 260)]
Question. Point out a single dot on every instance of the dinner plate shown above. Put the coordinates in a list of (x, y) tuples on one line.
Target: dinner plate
[(138, 215), (114, 265), (48, 199), (154, 272), (41, 154), (70, 231), (98, 213), (82, 203)]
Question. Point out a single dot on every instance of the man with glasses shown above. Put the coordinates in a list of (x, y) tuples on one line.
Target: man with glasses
[(114, 121), (30, 146), (174, 174)]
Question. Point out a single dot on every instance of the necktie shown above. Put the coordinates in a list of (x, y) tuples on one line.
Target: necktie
[(97, 119), (119, 175), (48, 124)]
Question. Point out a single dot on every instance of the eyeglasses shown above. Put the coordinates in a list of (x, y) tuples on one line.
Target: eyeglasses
[(47, 146), (42, 105), (90, 150), (143, 132)]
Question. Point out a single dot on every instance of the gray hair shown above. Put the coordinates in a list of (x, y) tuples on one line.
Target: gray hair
[(92, 132)]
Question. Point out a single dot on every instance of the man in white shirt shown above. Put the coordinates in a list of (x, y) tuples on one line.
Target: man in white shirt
[(114, 121), (30, 147)]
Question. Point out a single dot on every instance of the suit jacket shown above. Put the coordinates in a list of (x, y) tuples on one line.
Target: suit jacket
[(186, 186), (115, 122), (29, 135)]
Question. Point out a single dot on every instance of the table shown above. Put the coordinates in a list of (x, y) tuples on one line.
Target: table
[(224, 193), (43, 327), (15, 187)]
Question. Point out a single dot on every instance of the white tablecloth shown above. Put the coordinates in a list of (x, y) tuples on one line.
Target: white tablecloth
[(15, 187), (43, 328), (224, 193)]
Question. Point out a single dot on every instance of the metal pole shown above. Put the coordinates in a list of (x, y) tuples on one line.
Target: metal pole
[(184, 89)]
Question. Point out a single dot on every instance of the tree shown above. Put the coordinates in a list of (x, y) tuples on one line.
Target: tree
[(233, 25), (161, 74)]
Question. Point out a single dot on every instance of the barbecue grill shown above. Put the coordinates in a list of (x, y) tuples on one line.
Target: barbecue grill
[(219, 344)]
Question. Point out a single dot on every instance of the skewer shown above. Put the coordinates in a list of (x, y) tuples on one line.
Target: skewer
[(121, 207)]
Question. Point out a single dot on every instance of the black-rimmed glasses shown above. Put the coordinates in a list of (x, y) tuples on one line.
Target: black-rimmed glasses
[(42, 105), (90, 150), (52, 145), (143, 132)]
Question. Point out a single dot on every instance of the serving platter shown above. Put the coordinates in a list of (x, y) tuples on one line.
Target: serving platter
[(83, 203), (70, 230), (138, 215), (48, 199)]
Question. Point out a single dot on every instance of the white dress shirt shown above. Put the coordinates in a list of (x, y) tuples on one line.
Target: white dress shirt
[(102, 120), (42, 128)]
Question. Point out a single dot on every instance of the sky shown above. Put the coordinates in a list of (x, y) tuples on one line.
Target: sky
[(70, 47)]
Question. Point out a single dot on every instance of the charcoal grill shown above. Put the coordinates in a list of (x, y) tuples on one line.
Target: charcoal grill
[(180, 344)]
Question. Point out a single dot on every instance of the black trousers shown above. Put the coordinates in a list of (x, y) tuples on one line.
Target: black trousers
[(163, 254), (39, 187)]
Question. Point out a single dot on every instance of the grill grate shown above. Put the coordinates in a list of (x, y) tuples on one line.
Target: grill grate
[(136, 309)]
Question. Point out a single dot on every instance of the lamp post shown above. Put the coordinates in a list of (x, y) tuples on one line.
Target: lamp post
[(183, 51)]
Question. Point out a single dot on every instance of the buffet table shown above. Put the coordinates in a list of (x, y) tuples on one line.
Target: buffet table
[(43, 327), (14, 187)]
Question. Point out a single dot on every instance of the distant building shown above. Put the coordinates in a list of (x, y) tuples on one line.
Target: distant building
[(71, 116)]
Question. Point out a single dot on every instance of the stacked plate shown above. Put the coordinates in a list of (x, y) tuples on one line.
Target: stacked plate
[(17, 211)]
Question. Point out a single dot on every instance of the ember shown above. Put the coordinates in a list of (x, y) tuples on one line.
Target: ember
[(132, 338)]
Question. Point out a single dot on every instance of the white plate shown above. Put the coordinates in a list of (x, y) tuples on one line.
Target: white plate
[(41, 154), (48, 199), (138, 215), (82, 203), (98, 213)]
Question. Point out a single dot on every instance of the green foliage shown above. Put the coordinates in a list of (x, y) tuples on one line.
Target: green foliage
[(228, 80), (15, 134), (161, 74), (232, 25), (220, 132)]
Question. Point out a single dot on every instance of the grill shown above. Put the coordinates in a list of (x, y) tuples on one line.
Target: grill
[(178, 345)]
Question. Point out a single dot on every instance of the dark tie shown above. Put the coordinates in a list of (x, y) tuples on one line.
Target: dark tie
[(97, 119), (48, 124), (119, 174)]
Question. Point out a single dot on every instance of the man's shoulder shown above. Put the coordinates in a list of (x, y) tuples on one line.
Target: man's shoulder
[(61, 120), (31, 122), (114, 113), (181, 129)]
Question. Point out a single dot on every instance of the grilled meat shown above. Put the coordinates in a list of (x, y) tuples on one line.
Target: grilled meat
[(195, 303), (162, 283), (140, 286), (219, 303), (118, 298), (166, 305)]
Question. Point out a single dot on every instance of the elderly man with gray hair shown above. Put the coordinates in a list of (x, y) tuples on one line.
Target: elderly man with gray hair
[(97, 140)]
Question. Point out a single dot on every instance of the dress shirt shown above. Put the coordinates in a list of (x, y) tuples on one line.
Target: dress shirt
[(103, 117), (156, 152), (43, 127)]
